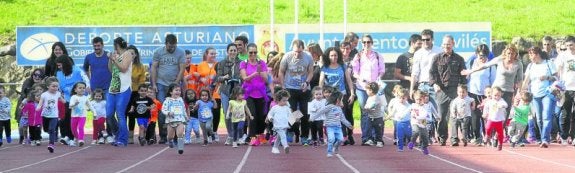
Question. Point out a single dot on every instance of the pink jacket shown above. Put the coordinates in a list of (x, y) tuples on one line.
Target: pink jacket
[(34, 117)]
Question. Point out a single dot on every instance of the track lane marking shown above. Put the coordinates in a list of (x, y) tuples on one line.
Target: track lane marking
[(45, 160), (346, 163), (244, 159), (539, 159), (142, 161)]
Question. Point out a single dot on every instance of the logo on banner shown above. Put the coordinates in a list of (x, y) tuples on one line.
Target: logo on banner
[(38, 46)]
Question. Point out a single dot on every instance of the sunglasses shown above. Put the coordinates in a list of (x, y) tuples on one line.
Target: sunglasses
[(427, 39), (483, 56), (366, 42), (253, 53), (563, 49), (38, 75)]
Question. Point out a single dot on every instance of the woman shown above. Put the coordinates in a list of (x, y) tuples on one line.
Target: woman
[(228, 77), (271, 55), (118, 96), (478, 81), (138, 78), (539, 75), (58, 49), (27, 87), (368, 67), (254, 75), (68, 75), (334, 73), (206, 72), (316, 53)]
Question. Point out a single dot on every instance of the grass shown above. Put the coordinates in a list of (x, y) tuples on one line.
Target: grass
[(509, 18)]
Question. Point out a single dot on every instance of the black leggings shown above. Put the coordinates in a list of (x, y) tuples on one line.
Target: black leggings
[(5, 128), (257, 124), (216, 112), (316, 130)]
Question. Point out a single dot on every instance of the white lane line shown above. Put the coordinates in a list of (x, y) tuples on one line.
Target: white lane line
[(347, 164), (25, 166), (442, 159), (142, 161), (15, 146), (243, 162), (536, 158)]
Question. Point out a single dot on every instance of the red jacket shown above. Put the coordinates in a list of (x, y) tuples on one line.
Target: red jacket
[(34, 117)]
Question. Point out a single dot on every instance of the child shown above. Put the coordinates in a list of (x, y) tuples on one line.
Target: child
[(432, 119), (176, 116), (151, 130), (193, 123), (279, 115), (375, 113), (140, 107), (494, 112), (316, 104), (204, 107), (334, 117), (79, 105), (390, 109), (488, 96), (34, 117), (518, 122), (98, 107), (237, 111), (460, 115), (419, 117), (401, 118), (5, 108), (49, 105)]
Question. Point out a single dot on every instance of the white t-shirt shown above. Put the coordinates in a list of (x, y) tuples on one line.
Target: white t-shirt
[(50, 104), (81, 109), (535, 71), (422, 61), (280, 116), (566, 67), (495, 109), (98, 109), (314, 106)]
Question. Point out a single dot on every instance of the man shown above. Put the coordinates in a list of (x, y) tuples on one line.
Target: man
[(445, 76), (241, 42), (352, 39), (97, 63), (566, 67), (421, 65), (405, 61), (295, 73), (547, 44), (168, 66), (345, 48)]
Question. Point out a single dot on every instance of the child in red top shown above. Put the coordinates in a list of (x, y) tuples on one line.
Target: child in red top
[(34, 119), (151, 130)]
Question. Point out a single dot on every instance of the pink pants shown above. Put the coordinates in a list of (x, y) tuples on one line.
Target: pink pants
[(98, 127), (498, 127), (78, 127)]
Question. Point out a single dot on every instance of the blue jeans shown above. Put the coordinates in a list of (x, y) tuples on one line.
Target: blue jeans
[(544, 108), (52, 130), (334, 137), (116, 104), (225, 104), (403, 132), (162, 92), (366, 133), (193, 124), (531, 129)]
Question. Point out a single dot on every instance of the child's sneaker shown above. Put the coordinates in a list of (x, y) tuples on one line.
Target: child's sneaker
[(110, 140), (81, 143), (254, 141), (65, 140), (410, 145), (38, 142), (286, 150), (228, 141), (329, 155), (368, 142), (171, 144), (499, 148), (72, 143), (235, 144), (101, 140), (272, 140), (94, 142), (8, 139), (51, 148), (379, 144), (205, 143), (180, 145), (275, 150), (425, 151), (142, 141), (262, 139), (513, 144), (400, 149), (336, 148), (187, 142)]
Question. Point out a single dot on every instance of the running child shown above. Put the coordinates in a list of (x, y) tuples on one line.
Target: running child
[(151, 130), (373, 107), (140, 107), (419, 117), (5, 108), (204, 107), (237, 111), (494, 112), (49, 105), (518, 123), (193, 123), (279, 116), (460, 116), (176, 116), (316, 123), (79, 105), (399, 111), (334, 117), (98, 107), (34, 118), (391, 109)]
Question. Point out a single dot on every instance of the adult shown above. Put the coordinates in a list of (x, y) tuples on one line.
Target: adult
[(168, 66), (445, 76), (228, 77), (241, 42), (368, 66), (190, 74), (271, 55), (334, 73), (345, 48), (68, 75), (353, 39), (316, 54), (118, 95), (547, 43), (58, 49), (560, 46), (405, 61), (566, 68), (254, 74), (138, 78), (478, 81), (539, 75), (96, 66), (27, 87), (422, 64), (207, 81)]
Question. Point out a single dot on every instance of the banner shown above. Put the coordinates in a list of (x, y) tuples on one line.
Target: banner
[(34, 44)]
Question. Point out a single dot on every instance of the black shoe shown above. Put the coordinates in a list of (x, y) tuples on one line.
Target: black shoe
[(512, 144), (162, 141), (465, 144), (455, 144), (443, 144), (180, 151), (142, 141), (351, 141), (346, 142), (296, 139)]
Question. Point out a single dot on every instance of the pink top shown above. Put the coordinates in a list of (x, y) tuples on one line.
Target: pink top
[(368, 68), (34, 117), (255, 87)]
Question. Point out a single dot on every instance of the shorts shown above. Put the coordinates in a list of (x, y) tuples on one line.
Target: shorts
[(143, 122), (175, 124), (23, 122)]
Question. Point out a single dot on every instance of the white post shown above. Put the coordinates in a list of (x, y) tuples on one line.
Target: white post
[(272, 25), (296, 9), (344, 17), (321, 43)]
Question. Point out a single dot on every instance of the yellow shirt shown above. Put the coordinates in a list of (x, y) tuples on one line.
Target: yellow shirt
[(138, 76)]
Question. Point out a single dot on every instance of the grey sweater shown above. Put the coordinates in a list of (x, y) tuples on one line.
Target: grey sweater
[(333, 116)]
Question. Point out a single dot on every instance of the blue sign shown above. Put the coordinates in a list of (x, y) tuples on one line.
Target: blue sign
[(398, 42), (34, 44)]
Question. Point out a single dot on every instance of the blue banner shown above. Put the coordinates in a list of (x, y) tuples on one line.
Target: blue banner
[(34, 44)]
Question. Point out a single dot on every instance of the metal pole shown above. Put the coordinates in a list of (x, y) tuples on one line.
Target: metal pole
[(272, 30), (296, 9), (321, 43), (344, 17)]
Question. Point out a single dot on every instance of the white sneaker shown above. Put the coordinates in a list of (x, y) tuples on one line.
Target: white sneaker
[(198, 140), (101, 140), (216, 138), (243, 137), (275, 150), (369, 142), (228, 141), (72, 143), (94, 142), (329, 155), (110, 140), (563, 142), (379, 144), (65, 140), (188, 142), (235, 144)]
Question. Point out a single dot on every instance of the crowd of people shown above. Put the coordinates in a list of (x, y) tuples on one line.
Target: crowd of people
[(300, 95)]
